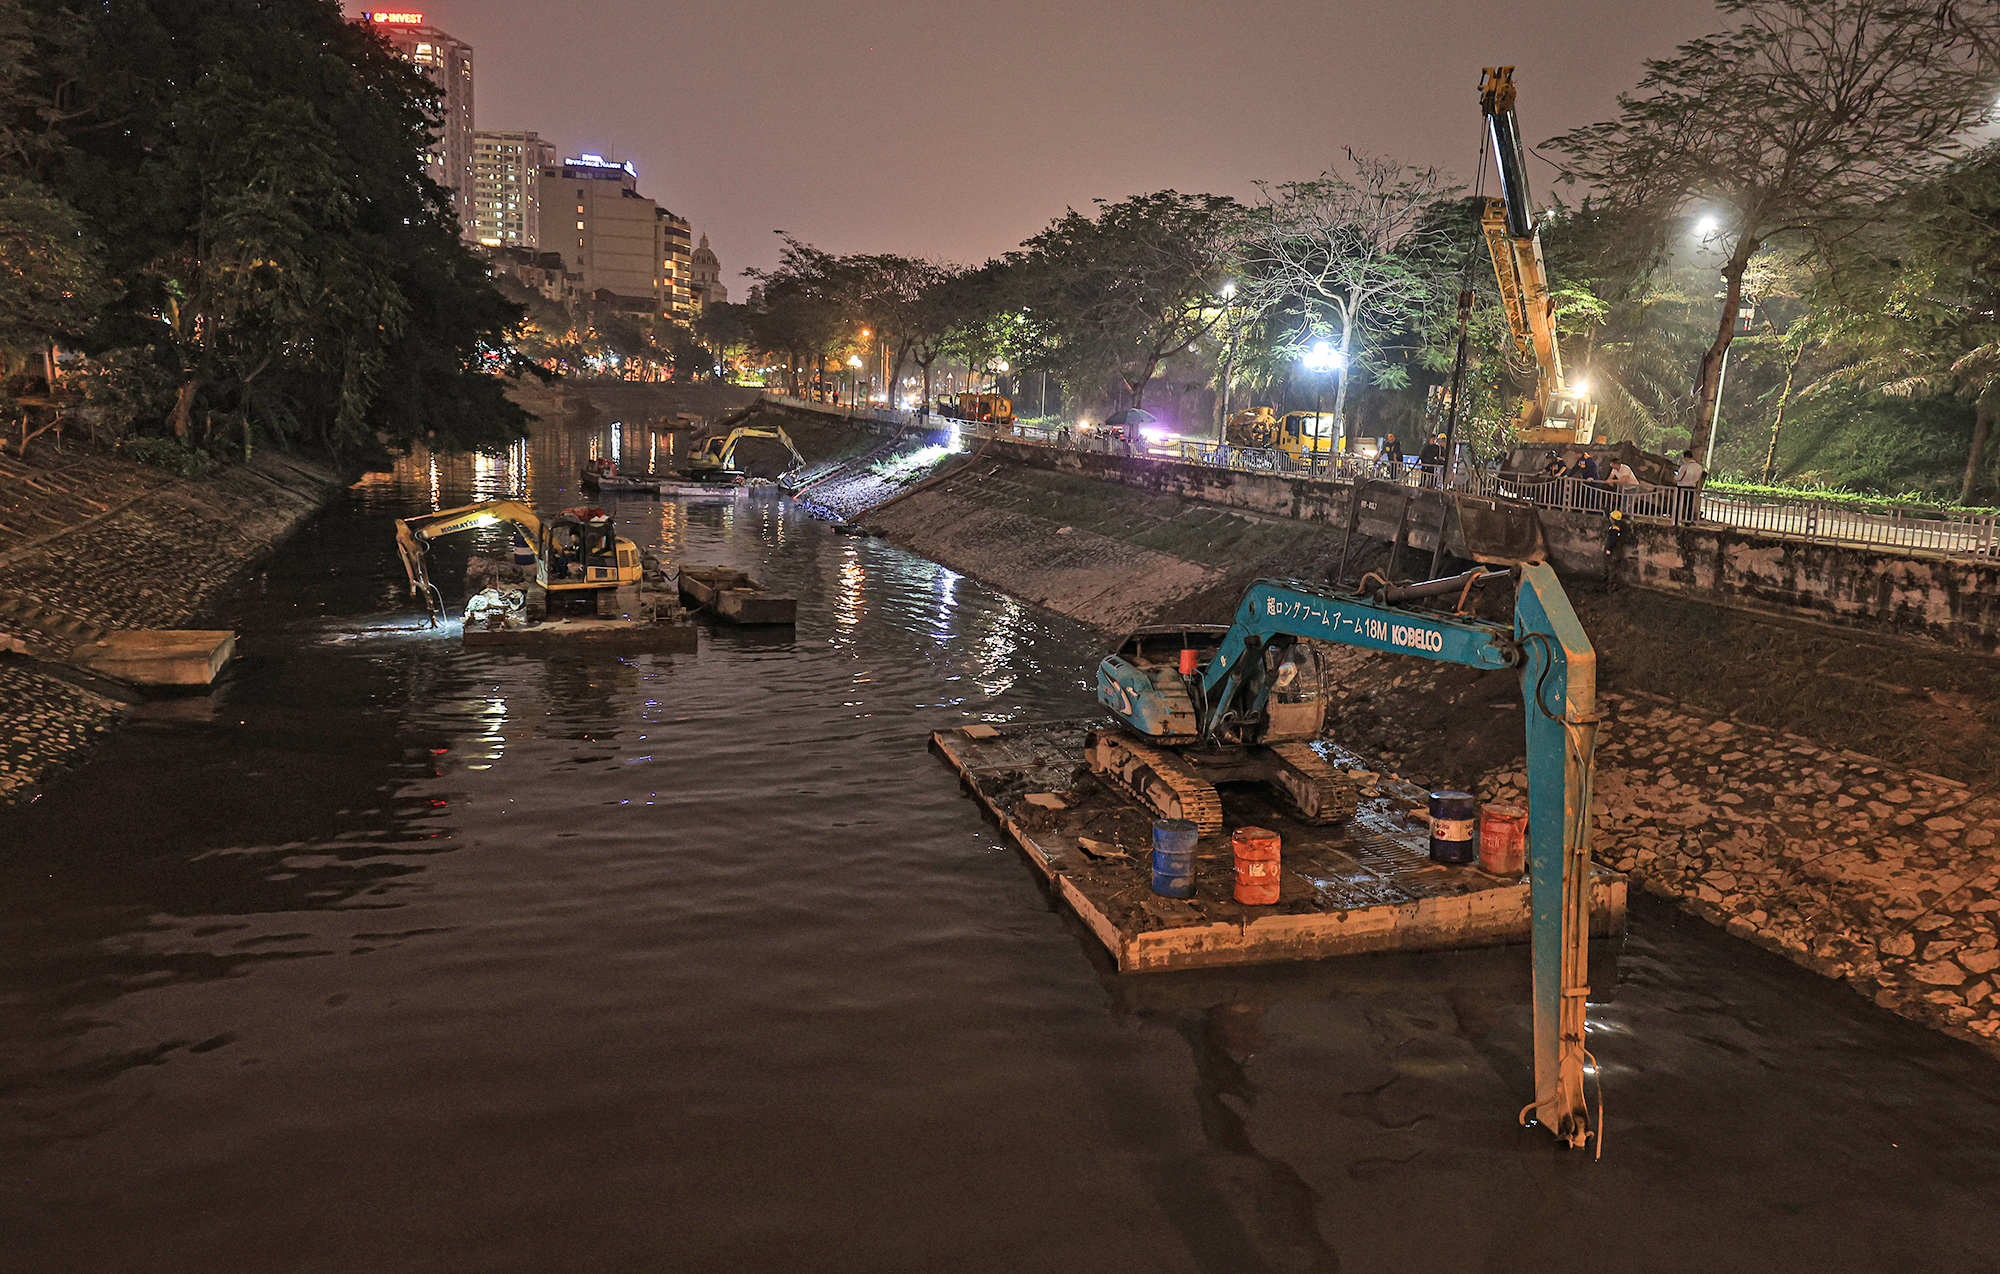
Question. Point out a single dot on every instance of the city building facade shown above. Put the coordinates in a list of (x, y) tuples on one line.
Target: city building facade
[(609, 234), (626, 250), (705, 281), (507, 188), (676, 265), (447, 63)]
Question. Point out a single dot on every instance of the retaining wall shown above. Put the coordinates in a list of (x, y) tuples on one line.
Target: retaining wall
[(1951, 601)]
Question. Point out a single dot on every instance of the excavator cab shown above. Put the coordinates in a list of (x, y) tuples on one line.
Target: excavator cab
[(579, 548)]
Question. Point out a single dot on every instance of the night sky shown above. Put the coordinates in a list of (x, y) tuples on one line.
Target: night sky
[(955, 130)]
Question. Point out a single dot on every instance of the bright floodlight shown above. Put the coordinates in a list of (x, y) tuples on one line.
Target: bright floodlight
[(1228, 290), (1003, 364), (1322, 357), (1581, 389), (1707, 226), (854, 360)]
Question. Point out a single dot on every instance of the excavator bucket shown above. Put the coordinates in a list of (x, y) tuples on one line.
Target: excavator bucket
[(1498, 532)]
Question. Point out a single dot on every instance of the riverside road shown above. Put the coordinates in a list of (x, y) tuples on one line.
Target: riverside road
[(395, 957)]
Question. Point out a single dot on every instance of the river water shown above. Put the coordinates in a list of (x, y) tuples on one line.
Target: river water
[(394, 957)]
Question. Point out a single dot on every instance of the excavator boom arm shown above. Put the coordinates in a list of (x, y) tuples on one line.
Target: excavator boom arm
[(1292, 608), (1516, 248), (723, 453)]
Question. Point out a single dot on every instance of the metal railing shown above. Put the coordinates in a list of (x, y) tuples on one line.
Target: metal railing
[(1923, 530), (1919, 530)]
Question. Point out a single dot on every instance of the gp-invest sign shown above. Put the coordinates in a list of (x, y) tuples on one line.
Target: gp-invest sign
[(394, 19)]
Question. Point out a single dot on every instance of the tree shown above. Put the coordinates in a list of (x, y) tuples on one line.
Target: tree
[(1802, 121), (254, 172), (1123, 290), (1351, 245), (1918, 305)]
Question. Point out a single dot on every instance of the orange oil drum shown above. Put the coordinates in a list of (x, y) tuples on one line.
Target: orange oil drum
[(1256, 850), (1503, 840)]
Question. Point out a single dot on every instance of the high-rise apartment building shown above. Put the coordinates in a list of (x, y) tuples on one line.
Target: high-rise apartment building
[(676, 265), (507, 188), (610, 234), (619, 241), (448, 64)]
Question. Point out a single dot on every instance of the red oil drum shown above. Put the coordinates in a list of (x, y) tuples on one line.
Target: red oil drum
[(1187, 663), (1503, 840), (1256, 850)]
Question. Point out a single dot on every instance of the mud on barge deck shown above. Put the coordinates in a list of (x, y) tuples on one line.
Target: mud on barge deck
[(1366, 885)]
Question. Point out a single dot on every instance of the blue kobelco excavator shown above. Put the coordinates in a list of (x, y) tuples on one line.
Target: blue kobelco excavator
[(1197, 706)]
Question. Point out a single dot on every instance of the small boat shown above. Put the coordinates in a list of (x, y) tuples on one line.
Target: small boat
[(603, 475), (688, 488)]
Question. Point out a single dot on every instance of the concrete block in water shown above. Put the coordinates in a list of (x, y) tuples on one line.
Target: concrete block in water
[(158, 656)]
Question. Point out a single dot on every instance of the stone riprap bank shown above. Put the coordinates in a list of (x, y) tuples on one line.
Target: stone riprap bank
[(90, 543)]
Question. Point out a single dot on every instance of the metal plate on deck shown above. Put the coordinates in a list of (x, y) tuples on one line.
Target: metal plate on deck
[(1366, 886)]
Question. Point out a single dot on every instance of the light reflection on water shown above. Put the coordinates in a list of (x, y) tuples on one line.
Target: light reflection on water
[(474, 960)]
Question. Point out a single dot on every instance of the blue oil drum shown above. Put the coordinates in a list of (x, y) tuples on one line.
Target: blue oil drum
[(1453, 821), (1173, 857)]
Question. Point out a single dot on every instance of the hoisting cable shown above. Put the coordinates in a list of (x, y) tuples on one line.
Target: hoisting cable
[(1459, 359)]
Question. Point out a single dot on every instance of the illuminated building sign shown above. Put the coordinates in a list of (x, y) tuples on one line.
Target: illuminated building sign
[(599, 161), (394, 19)]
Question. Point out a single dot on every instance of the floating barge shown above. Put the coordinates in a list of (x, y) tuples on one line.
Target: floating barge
[(734, 596), (1363, 886), (634, 618)]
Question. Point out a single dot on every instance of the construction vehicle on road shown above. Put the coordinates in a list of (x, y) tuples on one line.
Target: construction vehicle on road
[(576, 554), (992, 409), (1560, 413), (1299, 435), (1200, 706), (715, 459)]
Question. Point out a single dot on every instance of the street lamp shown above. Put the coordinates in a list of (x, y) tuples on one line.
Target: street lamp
[(1321, 359), (853, 361)]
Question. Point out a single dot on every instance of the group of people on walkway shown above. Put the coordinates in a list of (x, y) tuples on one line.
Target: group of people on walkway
[(1617, 478)]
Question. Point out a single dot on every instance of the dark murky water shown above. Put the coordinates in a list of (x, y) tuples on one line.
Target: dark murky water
[(391, 957)]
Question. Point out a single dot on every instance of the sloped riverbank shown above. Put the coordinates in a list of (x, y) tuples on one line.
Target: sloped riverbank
[(92, 542)]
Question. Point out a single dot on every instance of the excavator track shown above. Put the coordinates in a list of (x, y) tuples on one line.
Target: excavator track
[(1161, 781), (1317, 792)]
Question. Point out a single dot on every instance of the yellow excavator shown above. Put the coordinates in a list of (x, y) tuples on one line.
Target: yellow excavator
[(1560, 413), (715, 460), (576, 553), (1300, 435)]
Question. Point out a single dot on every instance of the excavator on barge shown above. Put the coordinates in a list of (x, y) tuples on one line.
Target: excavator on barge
[(576, 553), (1198, 706)]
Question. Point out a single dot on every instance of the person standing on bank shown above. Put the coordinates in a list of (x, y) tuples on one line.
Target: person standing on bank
[(1431, 458), (1687, 483)]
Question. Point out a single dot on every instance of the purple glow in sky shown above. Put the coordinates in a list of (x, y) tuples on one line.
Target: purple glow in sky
[(956, 130)]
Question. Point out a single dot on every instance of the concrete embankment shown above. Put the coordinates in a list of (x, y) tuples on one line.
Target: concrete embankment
[(88, 542), (1741, 764)]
